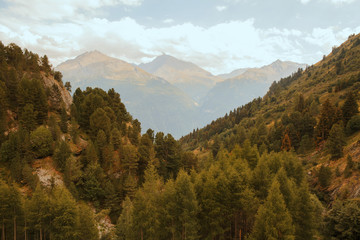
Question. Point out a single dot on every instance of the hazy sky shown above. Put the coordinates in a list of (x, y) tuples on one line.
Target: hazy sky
[(218, 35)]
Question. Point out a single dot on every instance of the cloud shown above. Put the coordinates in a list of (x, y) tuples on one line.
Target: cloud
[(57, 10), (168, 20), (221, 8), (337, 2), (218, 48)]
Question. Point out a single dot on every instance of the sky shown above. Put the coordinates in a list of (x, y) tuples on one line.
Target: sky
[(217, 35)]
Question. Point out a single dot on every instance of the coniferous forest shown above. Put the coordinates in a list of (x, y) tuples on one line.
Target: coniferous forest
[(285, 166)]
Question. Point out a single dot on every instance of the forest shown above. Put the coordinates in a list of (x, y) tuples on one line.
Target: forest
[(263, 171)]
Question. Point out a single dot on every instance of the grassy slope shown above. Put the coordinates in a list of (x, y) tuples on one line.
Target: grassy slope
[(314, 82)]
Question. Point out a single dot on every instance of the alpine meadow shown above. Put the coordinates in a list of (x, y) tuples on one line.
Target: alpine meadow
[(141, 120)]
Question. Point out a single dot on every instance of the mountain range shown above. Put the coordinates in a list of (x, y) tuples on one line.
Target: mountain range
[(154, 101), (166, 92)]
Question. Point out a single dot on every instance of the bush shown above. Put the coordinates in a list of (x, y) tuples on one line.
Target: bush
[(353, 125), (41, 142)]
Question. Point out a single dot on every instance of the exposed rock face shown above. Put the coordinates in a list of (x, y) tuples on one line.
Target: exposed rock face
[(57, 90)]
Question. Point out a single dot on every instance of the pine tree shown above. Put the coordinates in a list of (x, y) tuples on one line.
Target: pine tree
[(326, 120), (64, 120), (62, 153), (250, 154), (350, 107), (5, 207), (185, 208), (304, 218), (273, 220), (39, 211), (146, 206), (28, 117), (64, 215), (86, 225), (125, 223), (116, 138), (41, 142), (336, 141)]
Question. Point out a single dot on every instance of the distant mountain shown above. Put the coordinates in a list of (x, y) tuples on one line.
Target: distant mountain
[(234, 73), (236, 91), (192, 79), (154, 101)]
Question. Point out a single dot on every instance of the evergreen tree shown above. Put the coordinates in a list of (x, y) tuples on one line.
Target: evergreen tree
[(326, 120), (125, 223), (342, 221), (350, 107), (349, 166), (324, 176), (116, 138), (304, 218), (64, 215), (146, 207), (250, 154), (184, 209), (39, 211), (28, 118), (336, 141), (41, 142), (99, 121), (5, 207), (64, 120), (273, 220), (62, 153), (86, 224)]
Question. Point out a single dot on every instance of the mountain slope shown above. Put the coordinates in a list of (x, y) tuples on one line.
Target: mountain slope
[(154, 101), (232, 74), (192, 79), (292, 115), (252, 83)]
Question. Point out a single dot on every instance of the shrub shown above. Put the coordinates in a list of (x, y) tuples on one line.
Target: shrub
[(41, 142)]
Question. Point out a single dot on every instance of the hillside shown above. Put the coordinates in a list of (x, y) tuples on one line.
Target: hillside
[(285, 166), (240, 89), (155, 102), (292, 115), (192, 79)]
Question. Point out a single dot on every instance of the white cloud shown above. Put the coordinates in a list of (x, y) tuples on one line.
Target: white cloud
[(57, 10), (337, 2), (218, 48), (168, 20), (221, 8)]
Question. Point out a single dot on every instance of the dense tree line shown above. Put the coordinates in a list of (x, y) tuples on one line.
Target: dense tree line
[(226, 200), (251, 185)]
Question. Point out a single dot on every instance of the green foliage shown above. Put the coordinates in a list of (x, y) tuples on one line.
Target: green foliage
[(61, 154), (100, 121), (125, 223), (64, 215), (86, 225), (32, 92), (116, 138), (336, 141), (324, 176), (326, 120), (349, 108), (342, 221), (273, 220), (41, 142), (250, 154), (353, 124), (349, 167), (64, 121), (28, 118)]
